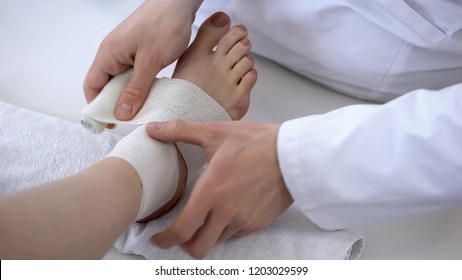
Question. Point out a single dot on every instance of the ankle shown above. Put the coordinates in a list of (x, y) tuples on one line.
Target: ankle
[(183, 171)]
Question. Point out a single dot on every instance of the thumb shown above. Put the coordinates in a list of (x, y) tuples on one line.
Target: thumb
[(196, 133), (135, 92)]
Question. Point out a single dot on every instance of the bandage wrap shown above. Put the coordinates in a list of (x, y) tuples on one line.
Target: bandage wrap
[(169, 99), (157, 165)]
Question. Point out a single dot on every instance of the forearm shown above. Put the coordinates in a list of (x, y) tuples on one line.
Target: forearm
[(77, 217), (369, 164)]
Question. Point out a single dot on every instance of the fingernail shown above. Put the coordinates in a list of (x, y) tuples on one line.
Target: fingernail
[(156, 125), (124, 110), (242, 27), (220, 19)]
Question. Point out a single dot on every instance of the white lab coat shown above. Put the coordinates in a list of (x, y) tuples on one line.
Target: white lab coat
[(368, 163)]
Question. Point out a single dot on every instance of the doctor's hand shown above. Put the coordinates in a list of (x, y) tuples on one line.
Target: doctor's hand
[(151, 38), (240, 192)]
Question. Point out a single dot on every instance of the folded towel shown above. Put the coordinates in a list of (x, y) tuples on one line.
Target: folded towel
[(36, 148), (291, 237)]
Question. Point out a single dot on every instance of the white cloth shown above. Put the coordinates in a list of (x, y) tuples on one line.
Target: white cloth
[(37, 148), (292, 236), (374, 163), (376, 50)]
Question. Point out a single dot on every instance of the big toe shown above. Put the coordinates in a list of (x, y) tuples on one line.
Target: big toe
[(211, 31)]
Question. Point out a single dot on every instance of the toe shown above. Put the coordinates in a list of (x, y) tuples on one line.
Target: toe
[(248, 80), (245, 86), (210, 32), (237, 52), (236, 34), (242, 67)]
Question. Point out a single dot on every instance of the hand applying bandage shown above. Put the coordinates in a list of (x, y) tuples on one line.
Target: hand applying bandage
[(225, 74)]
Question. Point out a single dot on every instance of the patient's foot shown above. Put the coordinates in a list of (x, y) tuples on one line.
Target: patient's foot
[(226, 73)]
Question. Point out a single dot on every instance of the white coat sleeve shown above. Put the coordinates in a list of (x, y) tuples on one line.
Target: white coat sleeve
[(366, 164)]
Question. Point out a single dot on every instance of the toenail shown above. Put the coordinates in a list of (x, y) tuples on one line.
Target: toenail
[(242, 27), (220, 19), (245, 41)]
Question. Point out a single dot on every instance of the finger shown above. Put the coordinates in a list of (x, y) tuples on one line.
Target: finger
[(206, 237), (98, 77), (137, 89), (100, 72), (196, 133), (191, 218), (244, 232), (180, 232), (94, 82), (227, 233)]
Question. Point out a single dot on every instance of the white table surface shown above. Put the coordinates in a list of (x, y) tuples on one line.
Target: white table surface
[(46, 48)]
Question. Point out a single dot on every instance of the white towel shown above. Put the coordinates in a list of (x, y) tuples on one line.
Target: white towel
[(36, 148), (291, 237)]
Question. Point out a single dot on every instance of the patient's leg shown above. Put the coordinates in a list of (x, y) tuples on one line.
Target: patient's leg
[(78, 217), (224, 75)]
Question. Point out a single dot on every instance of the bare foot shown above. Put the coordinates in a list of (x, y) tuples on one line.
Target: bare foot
[(227, 73)]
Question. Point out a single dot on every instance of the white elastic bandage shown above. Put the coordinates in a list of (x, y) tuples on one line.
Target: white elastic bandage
[(169, 99), (157, 165)]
